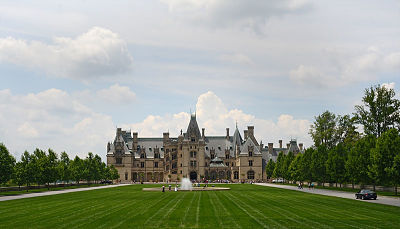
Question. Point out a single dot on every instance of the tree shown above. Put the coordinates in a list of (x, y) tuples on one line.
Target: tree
[(380, 110), (97, 169), (30, 169), (76, 168), (19, 174), (285, 170), (7, 163), (346, 131), (394, 172), (50, 171), (295, 168), (278, 171), (359, 160), (64, 167), (270, 168), (382, 157), (317, 164), (323, 130), (305, 165), (335, 165), (38, 162)]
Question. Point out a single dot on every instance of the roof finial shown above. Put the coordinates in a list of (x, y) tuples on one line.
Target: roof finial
[(236, 124)]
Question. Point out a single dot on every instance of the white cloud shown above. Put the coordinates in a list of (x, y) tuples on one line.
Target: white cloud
[(236, 58), (213, 115), (343, 68), (225, 13), (52, 119), (389, 85), (117, 94), (94, 54)]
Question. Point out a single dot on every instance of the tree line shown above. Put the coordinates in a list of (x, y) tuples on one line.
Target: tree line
[(44, 168), (343, 154)]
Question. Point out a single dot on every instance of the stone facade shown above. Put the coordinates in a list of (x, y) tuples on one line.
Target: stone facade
[(191, 154)]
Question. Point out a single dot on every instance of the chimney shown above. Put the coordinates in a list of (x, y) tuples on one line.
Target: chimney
[(227, 133), (287, 145), (135, 137), (202, 132), (270, 147), (166, 137), (245, 134), (251, 130), (119, 131), (280, 143), (301, 146)]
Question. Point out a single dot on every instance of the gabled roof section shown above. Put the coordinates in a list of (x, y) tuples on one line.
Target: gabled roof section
[(193, 129), (250, 144), (237, 139)]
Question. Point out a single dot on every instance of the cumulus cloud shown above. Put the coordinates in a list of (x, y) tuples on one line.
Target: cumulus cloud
[(214, 116), (341, 68), (389, 85), (117, 94), (226, 13), (96, 53), (52, 119)]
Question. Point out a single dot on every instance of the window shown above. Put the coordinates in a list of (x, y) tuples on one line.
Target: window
[(141, 164), (162, 149), (155, 164), (250, 153), (250, 163), (212, 156), (174, 165), (233, 164), (193, 139), (118, 160), (193, 154), (230, 148), (149, 148), (206, 147), (193, 163), (180, 171), (227, 164), (227, 156), (250, 174), (126, 176), (236, 175), (156, 155), (142, 155), (219, 147)]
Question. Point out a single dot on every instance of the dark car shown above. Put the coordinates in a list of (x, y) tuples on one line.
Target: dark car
[(106, 182), (365, 194)]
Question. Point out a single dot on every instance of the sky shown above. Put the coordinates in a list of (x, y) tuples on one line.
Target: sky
[(73, 71)]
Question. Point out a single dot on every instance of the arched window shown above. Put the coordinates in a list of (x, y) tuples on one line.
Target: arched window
[(250, 174)]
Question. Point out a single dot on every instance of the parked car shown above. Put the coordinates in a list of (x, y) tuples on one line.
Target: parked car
[(278, 180), (106, 182), (365, 194)]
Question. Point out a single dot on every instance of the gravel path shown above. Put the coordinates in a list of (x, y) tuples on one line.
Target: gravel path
[(48, 193), (394, 201)]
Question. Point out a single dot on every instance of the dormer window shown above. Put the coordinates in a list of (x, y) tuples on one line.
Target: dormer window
[(212, 156), (193, 139), (219, 147), (250, 153), (142, 155), (206, 147), (227, 156), (149, 148)]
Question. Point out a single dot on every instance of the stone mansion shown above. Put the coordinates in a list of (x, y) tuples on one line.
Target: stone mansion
[(193, 155)]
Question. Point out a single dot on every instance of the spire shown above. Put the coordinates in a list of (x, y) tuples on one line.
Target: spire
[(193, 129)]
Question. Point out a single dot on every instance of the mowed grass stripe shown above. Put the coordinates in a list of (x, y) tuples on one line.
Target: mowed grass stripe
[(226, 215), (306, 206), (190, 206), (165, 219)]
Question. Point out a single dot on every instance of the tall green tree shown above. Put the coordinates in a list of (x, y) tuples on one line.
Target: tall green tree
[(7, 163), (285, 170), (323, 130), (305, 165), (335, 164), (77, 169), (270, 168), (30, 168), (394, 172), (64, 167), (295, 168), (278, 171), (50, 171), (382, 157), (380, 110), (317, 164), (19, 174)]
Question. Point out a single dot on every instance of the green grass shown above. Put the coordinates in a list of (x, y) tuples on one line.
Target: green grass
[(15, 193), (245, 206)]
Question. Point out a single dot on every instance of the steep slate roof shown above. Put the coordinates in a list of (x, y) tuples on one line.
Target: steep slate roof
[(193, 128), (245, 147), (219, 144), (237, 139)]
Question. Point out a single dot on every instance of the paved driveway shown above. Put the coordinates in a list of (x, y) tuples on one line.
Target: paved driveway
[(29, 195), (394, 201)]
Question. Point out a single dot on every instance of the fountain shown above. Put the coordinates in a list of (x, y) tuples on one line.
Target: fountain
[(186, 184)]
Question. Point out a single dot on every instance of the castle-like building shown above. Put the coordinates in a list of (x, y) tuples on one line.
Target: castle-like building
[(193, 155)]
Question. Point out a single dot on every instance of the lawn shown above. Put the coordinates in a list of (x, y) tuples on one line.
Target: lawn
[(244, 206)]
